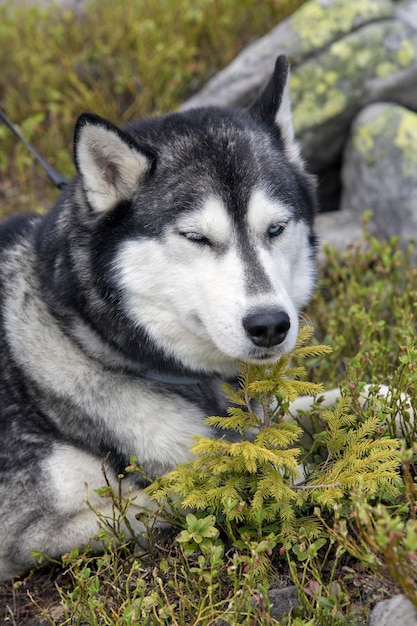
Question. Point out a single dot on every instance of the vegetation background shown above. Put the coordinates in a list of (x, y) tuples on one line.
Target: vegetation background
[(121, 60), (346, 538)]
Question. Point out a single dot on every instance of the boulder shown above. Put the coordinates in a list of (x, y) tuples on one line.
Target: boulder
[(309, 30), (380, 170), (397, 611), (407, 12), (376, 62), (338, 229), (345, 55)]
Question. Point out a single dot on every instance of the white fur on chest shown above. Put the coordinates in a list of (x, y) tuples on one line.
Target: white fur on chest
[(154, 426)]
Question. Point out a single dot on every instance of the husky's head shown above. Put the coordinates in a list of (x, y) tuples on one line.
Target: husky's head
[(210, 245)]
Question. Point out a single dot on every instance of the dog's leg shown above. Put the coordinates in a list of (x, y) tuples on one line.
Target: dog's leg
[(53, 535), (66, 512), (301, 407)]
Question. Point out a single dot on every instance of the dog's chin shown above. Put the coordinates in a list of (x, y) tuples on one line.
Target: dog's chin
[(263, 358)]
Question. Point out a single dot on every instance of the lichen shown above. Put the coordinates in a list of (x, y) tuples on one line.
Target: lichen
[(337, 78), (364, 135), (406, 140), (341, 50), (385, 68), (407, 53), (395, 126), (320, 100), (318, 23)]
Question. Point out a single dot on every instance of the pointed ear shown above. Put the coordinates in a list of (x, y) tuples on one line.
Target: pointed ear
[(109, 163), (273, 107)]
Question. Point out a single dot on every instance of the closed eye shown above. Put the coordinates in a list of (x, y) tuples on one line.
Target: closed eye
[(196, 238), (276, 230)]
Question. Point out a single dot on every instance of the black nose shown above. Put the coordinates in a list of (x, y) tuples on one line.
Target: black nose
[(267, 328)]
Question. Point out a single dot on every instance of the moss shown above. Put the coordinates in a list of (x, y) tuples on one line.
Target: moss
[(319, 22), (336, 79)]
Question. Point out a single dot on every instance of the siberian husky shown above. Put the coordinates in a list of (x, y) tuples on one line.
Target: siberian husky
[(184, 246)]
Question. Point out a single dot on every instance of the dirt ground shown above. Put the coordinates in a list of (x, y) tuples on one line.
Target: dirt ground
[(27, 601)]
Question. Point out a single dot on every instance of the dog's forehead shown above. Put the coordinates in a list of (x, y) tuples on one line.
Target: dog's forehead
[(223, 159), (209, 143), (223, 154), (205, 139)]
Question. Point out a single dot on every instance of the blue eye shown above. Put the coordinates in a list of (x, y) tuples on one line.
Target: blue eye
[(275, 230)]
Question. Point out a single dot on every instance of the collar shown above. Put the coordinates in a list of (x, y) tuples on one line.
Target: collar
[(168, 379)]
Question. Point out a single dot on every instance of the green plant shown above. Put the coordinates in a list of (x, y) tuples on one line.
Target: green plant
[(354, 452), (247, 484), (245, 495), (75, 59), (321, 589), (189, 582), (384, 537), (251, 486), (365, 308), (200, 533)]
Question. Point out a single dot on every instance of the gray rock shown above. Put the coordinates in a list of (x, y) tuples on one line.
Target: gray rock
[(282, 601), (380, 171), (312, 28), (407, 12), (345, 54), (397, 611), (377, 62), (338, 228)]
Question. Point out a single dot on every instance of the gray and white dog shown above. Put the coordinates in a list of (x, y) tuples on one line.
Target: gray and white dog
[(183, 247)]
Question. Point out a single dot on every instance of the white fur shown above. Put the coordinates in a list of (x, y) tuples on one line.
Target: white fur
[(192, 298), (75, 476), (288, 262), (263, 212), (211, 221), (150, 424), (284, 121)]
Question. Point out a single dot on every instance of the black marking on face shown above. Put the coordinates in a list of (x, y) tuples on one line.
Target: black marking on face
[(256, 279)]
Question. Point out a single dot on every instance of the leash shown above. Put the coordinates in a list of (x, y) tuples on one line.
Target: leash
[(55, 177)]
